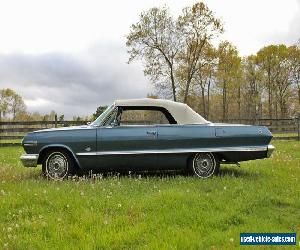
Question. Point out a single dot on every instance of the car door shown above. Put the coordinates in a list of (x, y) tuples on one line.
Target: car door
[(124, 147), (127, 142)]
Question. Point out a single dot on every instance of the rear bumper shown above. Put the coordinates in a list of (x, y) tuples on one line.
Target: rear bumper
[(29, 160), (270, 150)]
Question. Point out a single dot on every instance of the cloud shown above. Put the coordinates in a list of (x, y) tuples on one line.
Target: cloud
[(73, 84), (291, 34)]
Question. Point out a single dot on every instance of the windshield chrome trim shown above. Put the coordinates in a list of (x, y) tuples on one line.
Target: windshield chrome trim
[(111, 108)]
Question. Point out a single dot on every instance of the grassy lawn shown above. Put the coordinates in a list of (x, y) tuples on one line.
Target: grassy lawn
[(11, 141), (151, 212), (285, 134)]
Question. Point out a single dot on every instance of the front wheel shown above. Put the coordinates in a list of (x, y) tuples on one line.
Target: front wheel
[(204, 165), (57, 165)]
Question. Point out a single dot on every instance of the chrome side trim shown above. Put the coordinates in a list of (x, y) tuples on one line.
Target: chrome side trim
[(71, 128), (87, 153), (270, 151), (29, 160), (174, 151), (30, 143)]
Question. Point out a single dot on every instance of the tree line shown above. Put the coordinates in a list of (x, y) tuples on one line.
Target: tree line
[(13, 107), (11, 103), (182, 63)]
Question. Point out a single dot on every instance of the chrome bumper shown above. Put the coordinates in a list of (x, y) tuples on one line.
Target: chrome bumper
[(270, 150), (29, 160)]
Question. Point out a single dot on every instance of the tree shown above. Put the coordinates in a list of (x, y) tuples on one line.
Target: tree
[(154, 39), (277, 63), (52, 115), (4, 102), (268, 62), (182, 62), (228, 74), (11, 102), (253, 88), (204, 78), (294, 55), (283, 83), (172, 47), (17, 105), (197, 26), (61, 118), (23, 116)]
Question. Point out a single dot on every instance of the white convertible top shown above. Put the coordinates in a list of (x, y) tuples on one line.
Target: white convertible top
[(181, 112)]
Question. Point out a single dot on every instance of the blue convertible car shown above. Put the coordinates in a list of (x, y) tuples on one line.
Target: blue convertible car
[(144, 135)]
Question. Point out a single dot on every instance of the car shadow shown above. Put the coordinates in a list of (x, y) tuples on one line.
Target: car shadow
[(225, 171), (229, 172), (132, 174), (235, 172)]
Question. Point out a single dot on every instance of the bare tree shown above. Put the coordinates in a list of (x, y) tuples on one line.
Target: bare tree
[(204, 78), (154, 39), (11, 102), (294, 56), (17, 105), (228, 70), (169, 47), (197, 27)]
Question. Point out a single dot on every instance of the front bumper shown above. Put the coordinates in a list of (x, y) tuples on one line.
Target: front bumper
[(270, 150), (29, 160)]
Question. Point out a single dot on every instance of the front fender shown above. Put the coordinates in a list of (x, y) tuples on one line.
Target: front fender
[(62, 146)]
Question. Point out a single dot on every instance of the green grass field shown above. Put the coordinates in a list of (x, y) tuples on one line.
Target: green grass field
[(11, 141), (149, 212), (285, 134)]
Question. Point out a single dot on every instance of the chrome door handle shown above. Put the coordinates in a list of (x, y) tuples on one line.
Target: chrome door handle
[(151, 132)]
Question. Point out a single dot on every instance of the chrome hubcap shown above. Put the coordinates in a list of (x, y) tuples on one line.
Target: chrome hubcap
[(204, 164), (57, 166)]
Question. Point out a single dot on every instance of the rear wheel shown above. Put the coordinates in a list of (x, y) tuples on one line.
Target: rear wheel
[(204, 165), (57, 165)]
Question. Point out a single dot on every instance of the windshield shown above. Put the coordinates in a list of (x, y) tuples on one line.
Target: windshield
[(101, 118)]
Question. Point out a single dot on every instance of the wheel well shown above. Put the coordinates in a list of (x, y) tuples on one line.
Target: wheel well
[(44, 152)]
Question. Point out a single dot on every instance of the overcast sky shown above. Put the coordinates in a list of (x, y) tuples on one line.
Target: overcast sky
[(70, 56)]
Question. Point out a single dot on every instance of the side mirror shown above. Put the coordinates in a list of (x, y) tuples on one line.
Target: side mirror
[(88, 123)]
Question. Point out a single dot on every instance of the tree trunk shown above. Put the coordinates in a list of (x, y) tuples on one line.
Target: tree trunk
[(188, 82), (208, 99), (282, 103), (239, 102), (173, 85), (270, 102), (224, 101), (14, 113), (276, 106), (203, 101), (270, 94)]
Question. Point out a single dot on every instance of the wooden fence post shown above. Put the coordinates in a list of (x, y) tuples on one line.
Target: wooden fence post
[(55, 117)]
